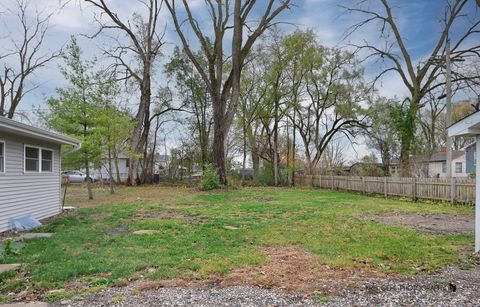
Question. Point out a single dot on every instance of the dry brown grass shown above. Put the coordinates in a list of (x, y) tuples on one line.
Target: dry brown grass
[(289, 269), (77, 194), (294, 269)]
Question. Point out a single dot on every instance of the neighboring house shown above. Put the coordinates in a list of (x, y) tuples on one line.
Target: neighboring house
[(123, 166), (161, 165), (30, 164), (437, 165), (471, 157)]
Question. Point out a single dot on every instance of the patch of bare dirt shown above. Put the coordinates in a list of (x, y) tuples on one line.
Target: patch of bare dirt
[(294, 269), (290, 269), (443, 223)]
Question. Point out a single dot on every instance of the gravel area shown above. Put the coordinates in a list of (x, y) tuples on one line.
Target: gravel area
[(451, 287), (231, 296)]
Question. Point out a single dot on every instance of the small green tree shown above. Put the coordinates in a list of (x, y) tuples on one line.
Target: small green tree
[(75, 110), (112, 128), (210, 179)]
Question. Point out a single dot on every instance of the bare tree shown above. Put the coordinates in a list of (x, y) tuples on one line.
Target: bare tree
[(135, 61), (335, 94), (418, 76), (333, 158), (382, 134), (223, 85), (25, 57), (193, 93), (432, 121)]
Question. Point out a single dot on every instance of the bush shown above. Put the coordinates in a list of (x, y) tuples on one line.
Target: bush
[(210, 179), (265, 178)]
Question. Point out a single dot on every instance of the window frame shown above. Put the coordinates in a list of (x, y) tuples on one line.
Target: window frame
[(40, 158), (4, 157), (461, 167)]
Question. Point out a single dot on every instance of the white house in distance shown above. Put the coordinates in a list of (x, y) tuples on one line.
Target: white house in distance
[(160, 167), (123, 163), (30, 164), (437, 165), (470, 126)]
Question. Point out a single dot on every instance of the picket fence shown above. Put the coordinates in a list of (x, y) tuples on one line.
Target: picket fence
[(455, 190)]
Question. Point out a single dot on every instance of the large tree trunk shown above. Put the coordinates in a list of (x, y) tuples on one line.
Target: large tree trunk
[(254, 153), (275, 145), (407, 137), (293, 149), (141, 129), (219, 159), (244, 126)]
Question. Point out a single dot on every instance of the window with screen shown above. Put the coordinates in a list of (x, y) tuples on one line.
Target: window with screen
[(2, 157), (444, 167), (32, 159), (47, 160)]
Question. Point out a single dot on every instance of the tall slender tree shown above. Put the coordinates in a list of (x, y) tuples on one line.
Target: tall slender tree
[(75, 111), (223, 81), (135, 61)]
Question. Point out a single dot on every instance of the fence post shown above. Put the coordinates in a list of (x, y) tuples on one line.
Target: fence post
[(319, 181), (414, 189), (333, 182), (346, 183), (453, 190), (385, 186), (364, 187)]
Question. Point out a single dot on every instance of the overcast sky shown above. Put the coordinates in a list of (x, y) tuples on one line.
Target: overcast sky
[(418, 20)]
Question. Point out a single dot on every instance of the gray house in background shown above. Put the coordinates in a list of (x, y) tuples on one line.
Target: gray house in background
[(471, 158), (30, 164)]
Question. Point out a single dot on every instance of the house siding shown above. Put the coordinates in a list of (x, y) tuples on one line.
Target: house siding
[(122, 167), (36, 194), (435, 168), (470, 156)]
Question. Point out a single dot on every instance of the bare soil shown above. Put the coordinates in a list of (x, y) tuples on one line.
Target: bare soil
[(294, 269), (430, 223), (289, 269)]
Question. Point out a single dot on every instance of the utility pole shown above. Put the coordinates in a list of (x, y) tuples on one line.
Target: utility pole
[(449, 108)]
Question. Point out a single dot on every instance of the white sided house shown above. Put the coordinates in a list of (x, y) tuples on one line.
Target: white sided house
[(30, 164), (437, 165)]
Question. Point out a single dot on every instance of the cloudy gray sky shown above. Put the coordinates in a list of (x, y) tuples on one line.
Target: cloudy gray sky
[(419, 21)]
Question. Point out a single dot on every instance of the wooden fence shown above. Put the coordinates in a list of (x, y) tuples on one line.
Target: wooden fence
[(455, 190)]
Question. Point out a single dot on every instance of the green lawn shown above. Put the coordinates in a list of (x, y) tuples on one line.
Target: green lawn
[(95, 243)]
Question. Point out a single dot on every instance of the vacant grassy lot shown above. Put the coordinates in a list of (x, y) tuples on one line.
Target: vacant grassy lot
[(222, 234)]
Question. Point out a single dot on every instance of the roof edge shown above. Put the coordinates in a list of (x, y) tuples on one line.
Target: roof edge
[(37, 132)]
